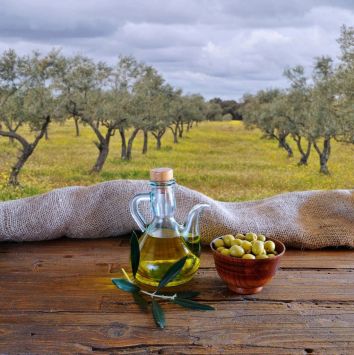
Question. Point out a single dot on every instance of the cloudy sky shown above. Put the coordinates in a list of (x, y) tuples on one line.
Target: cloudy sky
[(218, 48)]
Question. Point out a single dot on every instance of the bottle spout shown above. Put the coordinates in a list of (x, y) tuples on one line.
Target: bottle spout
[(190, 229)]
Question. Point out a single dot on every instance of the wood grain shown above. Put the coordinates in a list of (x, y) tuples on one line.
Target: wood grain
[(57, 298)]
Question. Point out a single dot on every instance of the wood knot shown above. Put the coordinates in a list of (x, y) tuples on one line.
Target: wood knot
[(116, 330)]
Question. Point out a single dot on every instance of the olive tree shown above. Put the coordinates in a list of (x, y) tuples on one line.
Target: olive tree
[(128, 118), (323, 125), (175, 112), (194, 110), (83, 84), (267, 111), (163, 118), (151, 97), (103, 98), (12, 78), (185, 109), (297, 106), (27, 98), (214, 112), (345, 83)]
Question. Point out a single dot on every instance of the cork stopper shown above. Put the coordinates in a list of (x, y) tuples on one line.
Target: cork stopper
[(161, 174)]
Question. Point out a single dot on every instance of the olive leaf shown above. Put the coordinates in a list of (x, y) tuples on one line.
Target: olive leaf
[(140, 301), (125, 285), (134, 253), (158, 314), (192, 304), (187, 294), (172, 272)]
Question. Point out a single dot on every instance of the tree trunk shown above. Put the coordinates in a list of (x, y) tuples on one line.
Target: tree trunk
[(158, 143), (304, 154), (175, 139), (145, 145), (26, 153), (174, 131), (77, 128), (158, 137), (323, 165), (46, 136), (130, 143), (181, 128), (102, 144), (283, 144), (123, 154), (27, 149), (305, 157), (103, 148), (102, 156), (280, 142), (324, 155)]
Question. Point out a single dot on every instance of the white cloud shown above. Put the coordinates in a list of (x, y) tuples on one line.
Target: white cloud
[(215, 47)]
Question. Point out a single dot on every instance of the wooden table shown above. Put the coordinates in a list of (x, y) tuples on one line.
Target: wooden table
[(57, 298)]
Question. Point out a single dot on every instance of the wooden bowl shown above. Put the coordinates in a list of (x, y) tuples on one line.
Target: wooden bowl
[(247, 276)]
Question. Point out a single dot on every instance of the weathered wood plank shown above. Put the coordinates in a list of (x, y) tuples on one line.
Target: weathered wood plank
[(95, 257), (253, 326), (79, 293)]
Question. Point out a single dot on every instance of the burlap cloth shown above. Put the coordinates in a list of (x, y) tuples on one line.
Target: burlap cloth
[(310, 219)]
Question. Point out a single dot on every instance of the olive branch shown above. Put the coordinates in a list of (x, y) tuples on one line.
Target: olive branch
[(182, 298)]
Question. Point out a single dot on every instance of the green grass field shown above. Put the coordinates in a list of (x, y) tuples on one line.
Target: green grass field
[(220, 159)]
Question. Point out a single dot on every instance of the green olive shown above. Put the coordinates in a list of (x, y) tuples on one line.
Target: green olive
[(225, 251), (269, 246), (251, 236), (220, 248), (240, 236), (246, 245), (262, 256), (261, 237), (218, 243), (271, 255), (248, 256), (236, 242), (227, 239), (237, 251), (257, 247)]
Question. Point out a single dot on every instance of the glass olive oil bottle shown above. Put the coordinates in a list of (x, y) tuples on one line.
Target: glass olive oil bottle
[(164, 241)]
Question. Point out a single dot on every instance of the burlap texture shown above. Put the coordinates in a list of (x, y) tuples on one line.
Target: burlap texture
[(310, 219)]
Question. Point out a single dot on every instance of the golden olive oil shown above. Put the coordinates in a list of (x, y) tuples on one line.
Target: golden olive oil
[(158, 253)]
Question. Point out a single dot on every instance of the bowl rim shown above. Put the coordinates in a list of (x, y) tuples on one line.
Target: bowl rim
[(229, 257)]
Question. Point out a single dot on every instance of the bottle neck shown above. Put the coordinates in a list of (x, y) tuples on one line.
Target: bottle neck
[(163, 201)]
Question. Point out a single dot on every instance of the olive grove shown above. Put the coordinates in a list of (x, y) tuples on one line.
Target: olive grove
[(312, 111), (117, 100)]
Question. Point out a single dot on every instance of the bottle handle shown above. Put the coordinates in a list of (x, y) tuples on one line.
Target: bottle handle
[(134, 209)]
